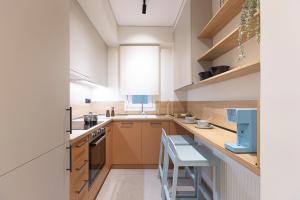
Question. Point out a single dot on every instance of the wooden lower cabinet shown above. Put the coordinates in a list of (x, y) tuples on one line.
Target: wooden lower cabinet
[(127, 143), (79, 175), (137, 143), (150, 143)]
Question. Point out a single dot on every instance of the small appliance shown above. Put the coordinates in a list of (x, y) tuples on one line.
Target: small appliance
[(246, 120)]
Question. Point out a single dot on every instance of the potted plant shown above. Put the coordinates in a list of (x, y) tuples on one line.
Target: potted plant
[(249, 23)]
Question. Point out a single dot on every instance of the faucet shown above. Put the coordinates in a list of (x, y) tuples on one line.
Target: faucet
[(142, 111)]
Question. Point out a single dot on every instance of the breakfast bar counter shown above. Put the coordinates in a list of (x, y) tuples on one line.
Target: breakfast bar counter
[(216, 138)]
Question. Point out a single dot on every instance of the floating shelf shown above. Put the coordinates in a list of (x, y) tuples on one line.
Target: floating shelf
[(225, 45), (231, 74), (225, 14)]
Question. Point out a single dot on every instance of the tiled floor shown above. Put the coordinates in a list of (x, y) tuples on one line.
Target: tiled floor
[(131, 184)]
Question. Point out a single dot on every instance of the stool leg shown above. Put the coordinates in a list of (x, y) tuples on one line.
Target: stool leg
[(197, 181), (175, 179), (165, 175), (159, 162)]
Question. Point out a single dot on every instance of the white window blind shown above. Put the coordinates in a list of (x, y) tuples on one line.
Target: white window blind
[(139, 70)]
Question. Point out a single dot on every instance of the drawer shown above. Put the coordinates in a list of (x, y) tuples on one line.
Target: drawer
[(80, 150), (81, 192), (80, 173)]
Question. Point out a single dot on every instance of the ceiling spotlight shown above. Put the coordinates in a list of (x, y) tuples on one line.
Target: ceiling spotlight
[(144, 7)]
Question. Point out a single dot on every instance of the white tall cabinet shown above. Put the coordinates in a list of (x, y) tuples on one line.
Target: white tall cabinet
[(34, 88), (187, 47)]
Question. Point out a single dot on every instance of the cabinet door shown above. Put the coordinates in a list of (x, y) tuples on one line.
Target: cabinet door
[(34, 80), (151, 135), (127, 143), (44, 178)]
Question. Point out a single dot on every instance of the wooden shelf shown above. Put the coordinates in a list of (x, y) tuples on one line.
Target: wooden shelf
[(225, 45), (231, 74), (225, 14)]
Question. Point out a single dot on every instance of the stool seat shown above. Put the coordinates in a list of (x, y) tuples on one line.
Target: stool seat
[(189, 155), (181, 139)]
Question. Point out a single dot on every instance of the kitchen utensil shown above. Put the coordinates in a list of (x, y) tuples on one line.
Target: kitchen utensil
[(207, 127), (202, 123), (215, 70), (205, 75)]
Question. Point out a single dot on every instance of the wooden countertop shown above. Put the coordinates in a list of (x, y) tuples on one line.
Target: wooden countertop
[(216, 138), (78, 134)]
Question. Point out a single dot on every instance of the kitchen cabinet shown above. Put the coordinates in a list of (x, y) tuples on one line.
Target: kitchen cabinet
[(150, 140), (187, 47), (41, 179), (127, 143), (88, 51), (79, 169)]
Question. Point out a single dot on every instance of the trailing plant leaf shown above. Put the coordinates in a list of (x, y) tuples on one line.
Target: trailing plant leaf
[(249, 24)]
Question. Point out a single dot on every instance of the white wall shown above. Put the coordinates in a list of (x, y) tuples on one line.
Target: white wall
[(146, 35), (88, 51), (280, 97), (102, 17)]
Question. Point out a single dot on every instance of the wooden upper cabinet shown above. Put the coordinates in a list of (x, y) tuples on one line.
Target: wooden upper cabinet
[(151, 136), (127, 143)]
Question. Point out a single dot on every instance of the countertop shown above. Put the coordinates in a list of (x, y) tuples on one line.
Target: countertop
[(216, 138), (213, 138), (104, 121)]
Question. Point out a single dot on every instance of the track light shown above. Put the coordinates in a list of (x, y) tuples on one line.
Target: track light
[(144, 7)]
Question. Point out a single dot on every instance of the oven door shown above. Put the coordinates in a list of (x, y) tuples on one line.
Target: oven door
[(97, 157)]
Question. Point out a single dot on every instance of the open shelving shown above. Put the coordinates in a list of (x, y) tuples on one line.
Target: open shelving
[(225, 14), (231, 74)]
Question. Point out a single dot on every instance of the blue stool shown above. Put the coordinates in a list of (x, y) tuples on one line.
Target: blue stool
[(177, 140), (181, 156)]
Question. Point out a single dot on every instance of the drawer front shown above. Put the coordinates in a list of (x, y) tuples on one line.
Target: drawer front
[(80, 150), (80, 170), (79, 174), (81, 192)]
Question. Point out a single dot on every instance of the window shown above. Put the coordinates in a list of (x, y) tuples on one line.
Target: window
[(134, 103)]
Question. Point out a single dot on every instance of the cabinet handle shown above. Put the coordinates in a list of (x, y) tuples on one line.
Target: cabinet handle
[(84, 163), (70, 112), (126, 123), (155, 123), (82, 187), (70, 152), (81, 144)]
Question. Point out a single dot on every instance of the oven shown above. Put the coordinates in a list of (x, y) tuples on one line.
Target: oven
[(97, 154)]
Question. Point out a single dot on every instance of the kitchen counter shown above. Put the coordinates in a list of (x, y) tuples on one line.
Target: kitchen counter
[(216, 138), (213, 138), (78, 134)]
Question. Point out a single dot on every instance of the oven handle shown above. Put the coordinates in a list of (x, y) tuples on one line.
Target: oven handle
[(98, 141)]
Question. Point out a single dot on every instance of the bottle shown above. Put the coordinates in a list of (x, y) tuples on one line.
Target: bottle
[(112, 111), (107, 113)]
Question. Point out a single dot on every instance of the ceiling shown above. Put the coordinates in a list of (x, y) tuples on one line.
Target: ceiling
[(159, 12)]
